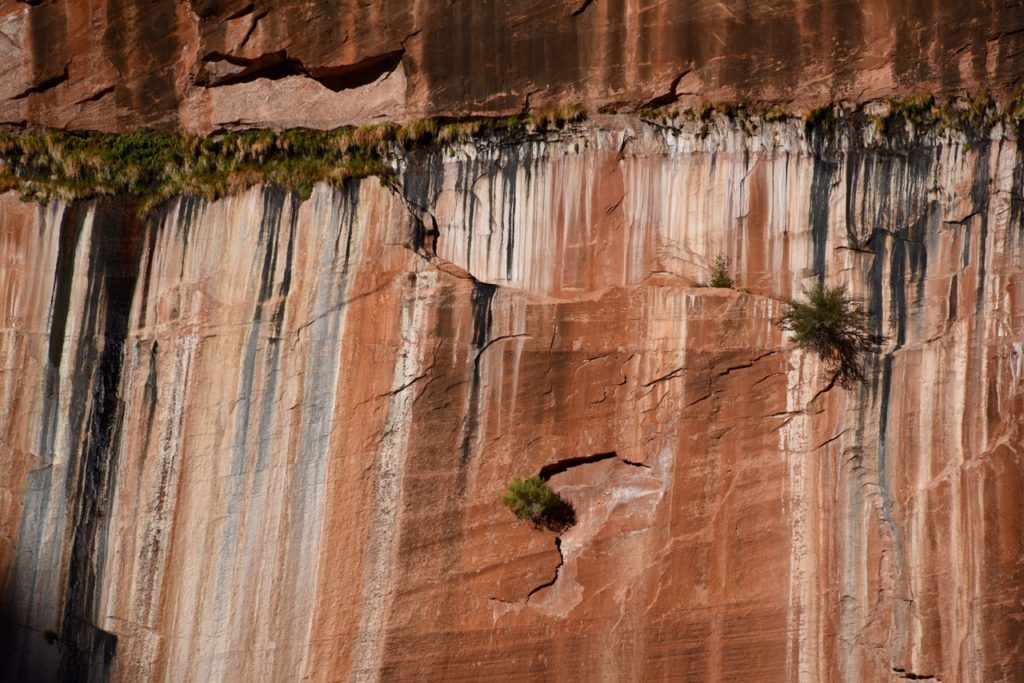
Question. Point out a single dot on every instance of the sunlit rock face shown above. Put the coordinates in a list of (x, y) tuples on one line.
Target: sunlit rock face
[(264, 438), (210, 64)]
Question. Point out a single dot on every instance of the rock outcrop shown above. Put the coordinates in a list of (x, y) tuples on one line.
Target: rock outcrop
[(264, 438), (210, 64)]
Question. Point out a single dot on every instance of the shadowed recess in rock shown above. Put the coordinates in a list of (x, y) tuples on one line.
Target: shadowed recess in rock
[(279, 65)]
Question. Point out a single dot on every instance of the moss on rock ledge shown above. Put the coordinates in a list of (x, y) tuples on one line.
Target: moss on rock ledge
[(152, 166), (893, 122)]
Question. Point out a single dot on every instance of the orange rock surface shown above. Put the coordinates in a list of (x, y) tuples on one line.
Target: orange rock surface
[(264, 438), (209, 64)]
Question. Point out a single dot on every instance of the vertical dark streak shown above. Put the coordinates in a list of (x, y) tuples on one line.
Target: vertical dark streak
[(70, 230), (897, 290), (286, 277), (419, 192), (821, 188), (509, 173), (483, 294), (979, 200), (464, 188), (150, 395), (492, 229), (113, 274), (1017, 195), (883, 449), (147, 272)]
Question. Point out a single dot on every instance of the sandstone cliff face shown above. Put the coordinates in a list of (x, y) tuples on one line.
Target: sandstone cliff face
[(204, 64), (264, 438)]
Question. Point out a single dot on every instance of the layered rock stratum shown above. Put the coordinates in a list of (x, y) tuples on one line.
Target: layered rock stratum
[(206, 64), (263, 437)]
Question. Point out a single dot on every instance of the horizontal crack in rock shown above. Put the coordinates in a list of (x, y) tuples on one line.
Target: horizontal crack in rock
[(98, 95), (278, 65), (909, 675), (45, 85), (560, 466), (674, 374)]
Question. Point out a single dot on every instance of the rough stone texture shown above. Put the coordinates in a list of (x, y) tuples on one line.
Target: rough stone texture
[(204, 64), (264, 439)]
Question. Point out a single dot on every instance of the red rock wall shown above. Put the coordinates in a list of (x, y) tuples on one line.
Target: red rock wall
[(265, 438), (203, 64)]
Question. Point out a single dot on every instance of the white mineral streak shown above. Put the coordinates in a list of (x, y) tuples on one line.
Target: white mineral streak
[(387, 492)]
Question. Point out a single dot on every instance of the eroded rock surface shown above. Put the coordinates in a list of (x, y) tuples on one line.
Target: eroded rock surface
[(201, 65), (265, 438)]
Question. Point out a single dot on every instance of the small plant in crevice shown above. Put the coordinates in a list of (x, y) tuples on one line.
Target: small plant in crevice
[(832, 325), (650, 113), (822, 120), (906, 115), (659, 116), (774, 113), (554, 119), (536, 502)]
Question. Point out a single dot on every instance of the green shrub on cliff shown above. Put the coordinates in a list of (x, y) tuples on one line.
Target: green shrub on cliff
[(535, 501), (720, 273), (831, 324), (720, 277)]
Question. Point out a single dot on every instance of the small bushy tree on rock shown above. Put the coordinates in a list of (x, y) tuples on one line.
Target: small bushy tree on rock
[(832, 325), (535, 501)]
